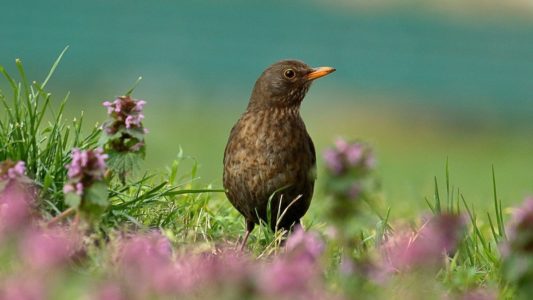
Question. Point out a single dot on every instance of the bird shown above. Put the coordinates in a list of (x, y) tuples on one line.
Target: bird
[(269, 159)]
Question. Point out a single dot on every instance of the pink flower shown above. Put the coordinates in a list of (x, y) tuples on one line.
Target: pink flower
[(109, 291), (295, 274), (426, 247), (354, 154), (146, 261), (23, 288), (47, 249), (305, 244), (11, 170), (15, 206), (346, 157), (87, 166), (520, 230), (134, 120), (140, 105), (333, 161), (126, 112)]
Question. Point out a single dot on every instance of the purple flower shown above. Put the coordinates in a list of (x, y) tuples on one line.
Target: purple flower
[(140, 105), (87, 166), (305, 244), (346, 157), (11, 170), (126, 112), (520, 230), (426, 247), (296, 273), (15, 206), (47, 249), (134, 120), (333, 161), (23, 288), (146, 261), (108, 291), (354, 154)]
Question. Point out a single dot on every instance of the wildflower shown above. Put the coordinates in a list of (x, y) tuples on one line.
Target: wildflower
[(146, 262), (23, 287), (87, 167), (517, 250), (346, 157), (47, 249), (305, 244), (124, 135), (426, 247), (125, 113), (295, 274), (11, 170), (108, 291), (520, 229), (15, 207), (16, 196)]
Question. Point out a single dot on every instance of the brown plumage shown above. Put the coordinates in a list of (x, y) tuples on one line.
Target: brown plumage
[(269, 154)]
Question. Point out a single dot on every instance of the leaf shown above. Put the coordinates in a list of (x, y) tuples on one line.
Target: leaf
[(105, 138), (97, 194), (124, 163), (72, 200), (136, 133)]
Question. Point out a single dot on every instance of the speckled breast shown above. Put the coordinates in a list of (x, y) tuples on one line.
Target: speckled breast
[(269, 151)]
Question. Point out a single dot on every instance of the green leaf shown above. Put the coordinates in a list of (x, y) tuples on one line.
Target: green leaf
[(136, 133), (97, 194), (124, 163), (72, 200)]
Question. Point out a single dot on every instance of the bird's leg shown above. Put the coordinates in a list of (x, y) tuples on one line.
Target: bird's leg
[(249, 227)]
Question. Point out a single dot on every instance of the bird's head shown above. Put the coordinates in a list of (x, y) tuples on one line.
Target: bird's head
[(284, 84)]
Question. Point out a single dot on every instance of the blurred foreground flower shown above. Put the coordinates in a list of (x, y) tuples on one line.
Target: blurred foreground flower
[(11, 170), (86, 189), (296, 274), (517, 251), (17, 195), (425, 248), (46, 249), (148, 267), (123, 137), (348, 167)]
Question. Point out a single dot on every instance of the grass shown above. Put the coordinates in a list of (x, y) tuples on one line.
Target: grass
[(196, 215)]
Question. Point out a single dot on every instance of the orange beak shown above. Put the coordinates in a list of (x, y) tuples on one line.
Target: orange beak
[(319, 72)]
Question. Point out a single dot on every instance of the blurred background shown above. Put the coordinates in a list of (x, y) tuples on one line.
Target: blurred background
[(421, 81)]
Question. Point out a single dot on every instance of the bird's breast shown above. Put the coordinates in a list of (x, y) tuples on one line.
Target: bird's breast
[(270, 148)]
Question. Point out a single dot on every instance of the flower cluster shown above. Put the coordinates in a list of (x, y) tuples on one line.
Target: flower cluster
[(348, 166), (124, 132), (126, 112), (147, 266), (11, 170), (296, 274), (348, 157), (425, 247), (87, 167), (517, 250), (349, 180), (520, 230), (17, 195)]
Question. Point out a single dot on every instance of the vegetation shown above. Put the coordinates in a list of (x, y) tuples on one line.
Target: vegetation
[(79, 218)]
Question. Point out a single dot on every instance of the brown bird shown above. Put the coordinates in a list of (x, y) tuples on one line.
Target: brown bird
[(269, 156)]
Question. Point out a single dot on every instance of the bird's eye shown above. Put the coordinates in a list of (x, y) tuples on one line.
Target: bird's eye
[(289, 73)]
